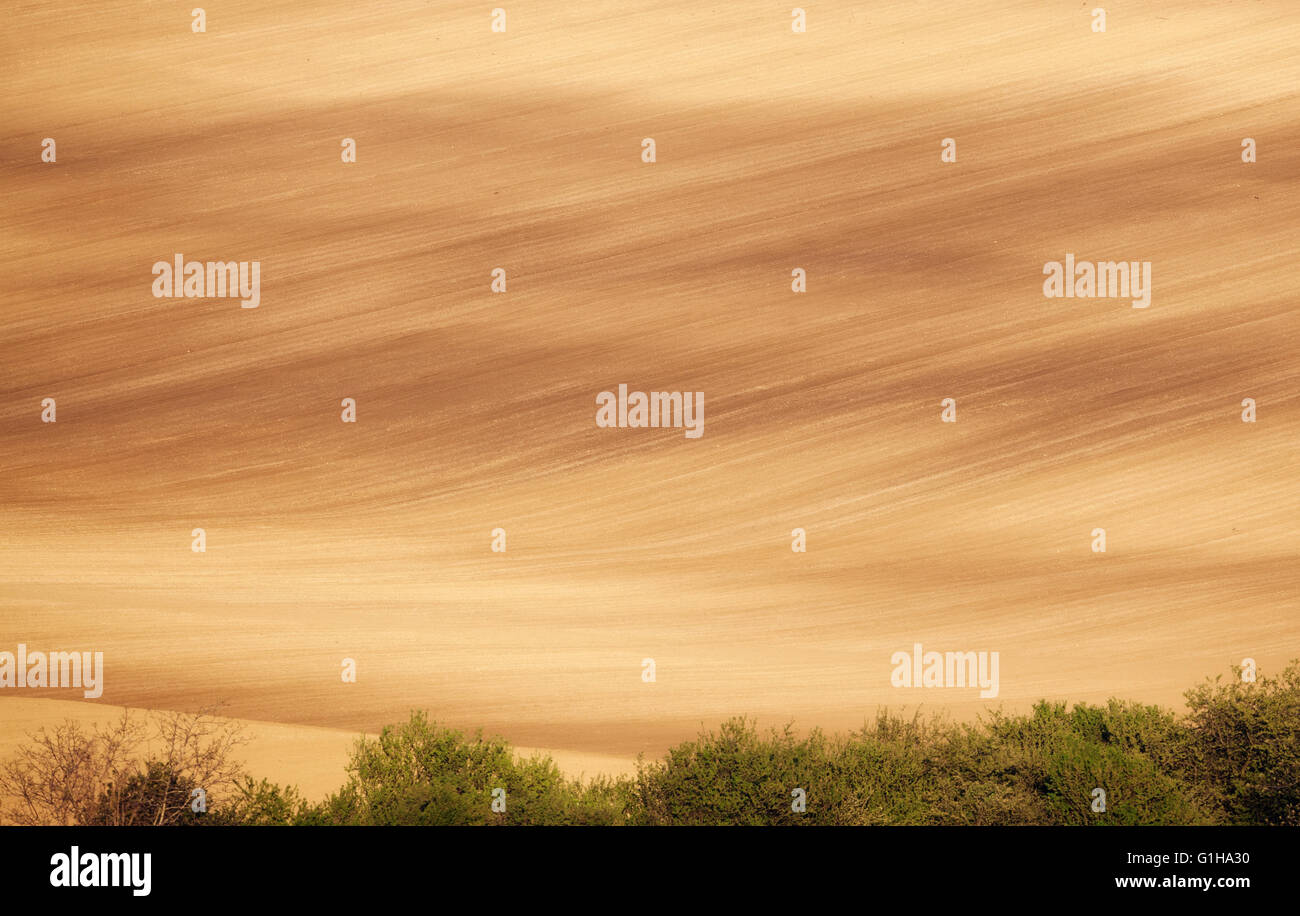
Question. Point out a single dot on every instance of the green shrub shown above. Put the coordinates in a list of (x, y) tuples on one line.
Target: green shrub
[(1233, 758), (735, 776), (420, 774), (259, 803), (1246, 740)]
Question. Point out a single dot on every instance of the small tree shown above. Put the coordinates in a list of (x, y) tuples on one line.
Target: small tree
[(138, 769), (260, 803), (152, 796)]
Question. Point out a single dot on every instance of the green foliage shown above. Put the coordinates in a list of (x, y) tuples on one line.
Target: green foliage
[(259, 803), (1009, 770), (734, 776), (1234, 758), (1247, 746), (1039, 768), (419, 774), (1055, 758)]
